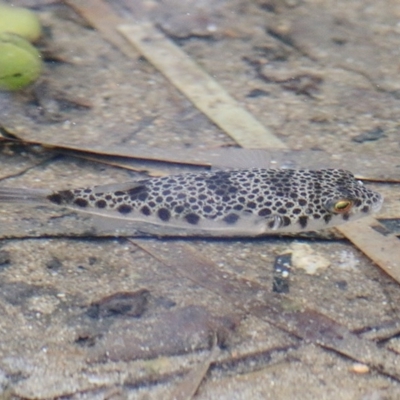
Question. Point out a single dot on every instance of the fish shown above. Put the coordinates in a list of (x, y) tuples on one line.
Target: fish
[(219, 203)]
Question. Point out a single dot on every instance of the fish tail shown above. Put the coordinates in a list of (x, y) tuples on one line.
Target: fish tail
[(23, 196)]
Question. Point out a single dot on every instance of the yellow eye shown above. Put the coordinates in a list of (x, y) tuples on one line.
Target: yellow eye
[(342, 206)]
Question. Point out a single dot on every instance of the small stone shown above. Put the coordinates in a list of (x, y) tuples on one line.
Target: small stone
[(359, 368), (304, 257), (257, 93), (54, 264), (369, 136)]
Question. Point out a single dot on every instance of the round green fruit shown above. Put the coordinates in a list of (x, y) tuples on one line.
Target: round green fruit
[(20, 62), (20, 21)]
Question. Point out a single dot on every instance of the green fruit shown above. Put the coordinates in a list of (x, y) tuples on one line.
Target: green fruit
[(20, 62), (20, 21)]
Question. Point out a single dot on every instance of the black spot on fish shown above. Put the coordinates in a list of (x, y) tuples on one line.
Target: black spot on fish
[(101, 204), (231, 219), (303, 221), (145, 210), (164, 214), (232, 189), (55, 198), (192, 218), (217, 179), (286, 221), (124, 209), (346, 216), (137, 190), (264, 211), (143, 196), (81, 202), (365, 209), (61, 197), (207, 209), (327, 218), (179, 209)]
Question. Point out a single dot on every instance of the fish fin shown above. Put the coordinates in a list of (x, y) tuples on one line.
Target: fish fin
[(113, 187), (23, 196)]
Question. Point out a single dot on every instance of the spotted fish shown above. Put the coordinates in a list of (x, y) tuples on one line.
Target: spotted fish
[(242, 202)]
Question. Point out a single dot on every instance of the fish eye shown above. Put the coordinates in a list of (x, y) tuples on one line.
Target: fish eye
[(342, 206)]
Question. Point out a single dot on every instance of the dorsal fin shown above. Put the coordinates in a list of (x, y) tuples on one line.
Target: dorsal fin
[(124, 186)]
